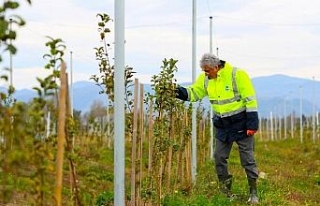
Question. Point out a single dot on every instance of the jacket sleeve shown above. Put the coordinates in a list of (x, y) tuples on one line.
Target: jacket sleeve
[(197, 90), (248, 96), (194, 92), (252, 120)]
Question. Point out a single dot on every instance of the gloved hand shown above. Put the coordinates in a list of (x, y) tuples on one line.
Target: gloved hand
[(251, 132), (181, 93)]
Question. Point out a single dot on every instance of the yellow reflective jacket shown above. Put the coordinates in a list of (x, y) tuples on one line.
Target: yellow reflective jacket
[(230, 93), (232, 99)]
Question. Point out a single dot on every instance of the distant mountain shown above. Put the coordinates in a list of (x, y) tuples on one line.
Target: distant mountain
[(85, 93), (279, 94)]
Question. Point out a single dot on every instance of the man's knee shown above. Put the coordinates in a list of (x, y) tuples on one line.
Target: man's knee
[(220, 159)]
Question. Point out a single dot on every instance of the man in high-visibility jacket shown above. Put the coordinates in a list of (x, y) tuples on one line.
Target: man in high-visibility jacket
[(234, 105)]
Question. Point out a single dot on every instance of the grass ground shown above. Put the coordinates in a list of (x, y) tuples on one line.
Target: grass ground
[(290, 175)]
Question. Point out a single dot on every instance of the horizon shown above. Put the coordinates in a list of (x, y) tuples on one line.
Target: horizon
[(272, 92), (22, 85)]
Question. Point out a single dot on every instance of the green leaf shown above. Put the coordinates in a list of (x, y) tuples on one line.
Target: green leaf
[(10, 5)]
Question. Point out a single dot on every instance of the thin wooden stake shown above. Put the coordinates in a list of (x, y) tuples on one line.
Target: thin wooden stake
[(70, 145), (134, 143), (151, 143), (141, 141), (61, 133), (188, 155), (150, 135)]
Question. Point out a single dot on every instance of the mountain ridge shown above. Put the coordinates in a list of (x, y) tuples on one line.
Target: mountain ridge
[(272, 93)]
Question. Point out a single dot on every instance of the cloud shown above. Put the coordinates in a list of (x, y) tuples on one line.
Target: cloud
[(264, 37), (26, 78)]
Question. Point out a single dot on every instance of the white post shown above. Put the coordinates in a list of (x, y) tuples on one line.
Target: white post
[(267, 129), (212, 145), (275, 135), (194, 110), (301, 126), (292, 120), (313, 114), (109, 138), (210, 34), (271, 126), (280, 127), (119, 90), (260, 128), (285, 118), (317, 124), (48, 125)]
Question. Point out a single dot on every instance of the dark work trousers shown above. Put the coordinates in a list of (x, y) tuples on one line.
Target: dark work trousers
[(246, 150)]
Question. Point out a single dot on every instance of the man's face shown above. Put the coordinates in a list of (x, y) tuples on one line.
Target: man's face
[(210, 71)]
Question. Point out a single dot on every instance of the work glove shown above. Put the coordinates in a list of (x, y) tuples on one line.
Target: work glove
[(181, 93), (251, 132)]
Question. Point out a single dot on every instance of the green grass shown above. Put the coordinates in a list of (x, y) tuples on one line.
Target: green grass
[(291, 177)]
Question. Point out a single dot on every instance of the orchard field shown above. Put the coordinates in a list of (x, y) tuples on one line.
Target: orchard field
[(289, 175), (53, 155)]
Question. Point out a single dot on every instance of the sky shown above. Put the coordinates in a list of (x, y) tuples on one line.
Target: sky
[(263, 37)]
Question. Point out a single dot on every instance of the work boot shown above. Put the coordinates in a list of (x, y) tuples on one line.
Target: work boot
[(225, 183), (253, 199)]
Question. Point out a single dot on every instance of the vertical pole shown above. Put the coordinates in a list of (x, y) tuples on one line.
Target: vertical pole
[(71, 85), (280, 127), (61, 134), (211, 111), (285, 118), (271, 126), (260, 128), (194, 111), (267, 129), (11, 64), (313, 114), (301, 126), (119, 152), (48, 125), (71, 94), (134, 142), (210, 34), (292, 118), (274, 124), (140, 146), (317, 124)]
